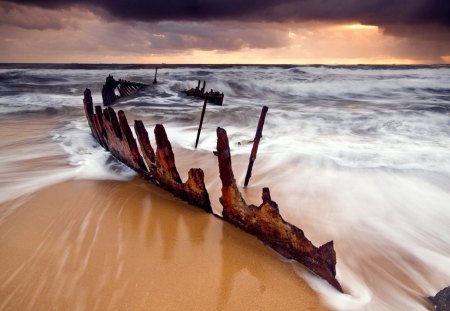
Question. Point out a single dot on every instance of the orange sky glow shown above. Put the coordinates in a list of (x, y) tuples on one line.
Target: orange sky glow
[(78, 35)]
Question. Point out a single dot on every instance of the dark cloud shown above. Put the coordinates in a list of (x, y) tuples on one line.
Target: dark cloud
[(413, 29), (375, 12), (225, 36), (35, 18), (424, 20)]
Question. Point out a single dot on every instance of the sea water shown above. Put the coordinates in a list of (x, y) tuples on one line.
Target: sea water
[(355, 154)]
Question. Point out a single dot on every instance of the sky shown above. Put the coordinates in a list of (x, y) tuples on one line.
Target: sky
[(226, 31)]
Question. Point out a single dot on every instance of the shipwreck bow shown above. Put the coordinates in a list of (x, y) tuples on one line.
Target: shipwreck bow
[(112, 131), (115, 135), (266, 223)]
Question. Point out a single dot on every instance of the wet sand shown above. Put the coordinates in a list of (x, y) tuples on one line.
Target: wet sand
[(110, 245)]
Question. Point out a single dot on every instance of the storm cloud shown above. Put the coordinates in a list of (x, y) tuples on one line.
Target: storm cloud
[(281, 31), (373, 12)]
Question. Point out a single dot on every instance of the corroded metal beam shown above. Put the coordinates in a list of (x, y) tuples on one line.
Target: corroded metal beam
[(258, 136), (156, 73), (201, 123), (124, 87), (441, 301), (114, 134), (266, 223), (213, 97)]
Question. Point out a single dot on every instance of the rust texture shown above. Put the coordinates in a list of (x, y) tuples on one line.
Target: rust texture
[(258, 136), (213, 97), (201, 122), (124, 87), (112, 131), (156, 73), (441, 301), (266, 223)]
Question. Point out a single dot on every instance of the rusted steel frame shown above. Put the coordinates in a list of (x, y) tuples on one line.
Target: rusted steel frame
[(125, 88), (266, 223), (196, 92), (122, 91), (213, 97), (441, 301), (258, 136), (156, 73), (144, 142), (201, 123), (203, 88), (114, 134), (108, 94)]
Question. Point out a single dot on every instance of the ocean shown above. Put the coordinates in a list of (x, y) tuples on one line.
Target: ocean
[(355, 154)]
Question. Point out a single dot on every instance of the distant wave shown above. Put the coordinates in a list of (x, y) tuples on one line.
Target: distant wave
[(358, 154)]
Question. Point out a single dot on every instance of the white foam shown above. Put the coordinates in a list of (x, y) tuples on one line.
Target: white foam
[(359, 156), (88, 158)]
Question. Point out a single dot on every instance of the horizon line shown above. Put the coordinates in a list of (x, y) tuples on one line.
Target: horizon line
[(228, 64)]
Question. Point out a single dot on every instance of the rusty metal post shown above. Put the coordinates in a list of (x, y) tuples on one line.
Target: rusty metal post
[(203, 88), (201, 122), (156, 72), (255, 144)]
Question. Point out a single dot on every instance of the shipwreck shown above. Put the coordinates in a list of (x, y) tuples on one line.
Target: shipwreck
[(122, 87), (212, 97), (113, 132), (441, 301)]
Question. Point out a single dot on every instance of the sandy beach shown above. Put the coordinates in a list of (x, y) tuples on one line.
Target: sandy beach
[(111, 245), (368, 170)]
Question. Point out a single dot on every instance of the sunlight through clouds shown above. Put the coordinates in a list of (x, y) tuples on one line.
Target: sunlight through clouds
[(77, 33)]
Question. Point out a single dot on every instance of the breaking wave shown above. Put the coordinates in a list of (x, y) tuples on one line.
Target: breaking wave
[(357, 154)]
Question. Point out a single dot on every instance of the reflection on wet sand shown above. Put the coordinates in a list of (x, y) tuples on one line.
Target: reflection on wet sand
[(109, 245), (253, 274)]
